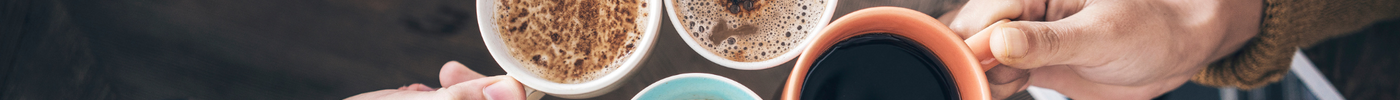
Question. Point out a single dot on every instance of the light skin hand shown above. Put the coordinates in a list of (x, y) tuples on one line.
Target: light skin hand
[(465, 85), (1105, 49)]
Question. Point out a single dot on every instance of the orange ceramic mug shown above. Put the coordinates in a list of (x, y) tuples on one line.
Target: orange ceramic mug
[(962, 66)]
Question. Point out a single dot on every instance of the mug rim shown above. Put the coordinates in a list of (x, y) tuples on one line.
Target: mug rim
[(587, 89), (956, 56), (728, 81), (757, 65)]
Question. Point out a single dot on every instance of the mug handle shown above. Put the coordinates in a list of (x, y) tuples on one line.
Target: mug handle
[(532, 94)]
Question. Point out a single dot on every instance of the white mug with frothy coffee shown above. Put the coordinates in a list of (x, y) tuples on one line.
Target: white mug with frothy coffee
[(749, 34), (567, 48)]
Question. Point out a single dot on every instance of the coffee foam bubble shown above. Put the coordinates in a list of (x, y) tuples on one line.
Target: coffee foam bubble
[(770, 29)]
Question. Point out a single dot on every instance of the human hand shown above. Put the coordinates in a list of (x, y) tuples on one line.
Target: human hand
[(465, 84), (1105, 49)]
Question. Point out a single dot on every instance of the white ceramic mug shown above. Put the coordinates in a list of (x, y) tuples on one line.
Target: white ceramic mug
[(536, 86)]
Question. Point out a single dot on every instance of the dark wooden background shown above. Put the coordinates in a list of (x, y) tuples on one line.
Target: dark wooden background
[(281, 49), (310, 49)]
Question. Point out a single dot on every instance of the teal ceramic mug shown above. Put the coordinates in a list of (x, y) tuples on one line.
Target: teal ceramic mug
[(696, 86)]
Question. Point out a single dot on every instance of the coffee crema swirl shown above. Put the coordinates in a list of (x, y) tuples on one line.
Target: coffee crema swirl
[(749, 30), (570, 41)]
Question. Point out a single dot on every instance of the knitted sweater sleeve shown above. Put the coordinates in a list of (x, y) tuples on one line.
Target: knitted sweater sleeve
[(1287, 25)]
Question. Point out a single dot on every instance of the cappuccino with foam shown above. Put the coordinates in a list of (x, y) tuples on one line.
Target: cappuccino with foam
[(570, 41), (749, 30)]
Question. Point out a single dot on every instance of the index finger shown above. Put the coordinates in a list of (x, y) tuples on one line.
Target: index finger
[(979, 14)]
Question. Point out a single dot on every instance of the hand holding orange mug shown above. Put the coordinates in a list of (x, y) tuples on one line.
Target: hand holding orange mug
[(1105, 49)]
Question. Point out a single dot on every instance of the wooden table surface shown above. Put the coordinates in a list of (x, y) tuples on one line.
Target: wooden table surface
[(284, 49), (671, 56), (332, 49)]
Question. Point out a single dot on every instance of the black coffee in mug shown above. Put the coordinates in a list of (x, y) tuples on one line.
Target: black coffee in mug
[(878, 66)]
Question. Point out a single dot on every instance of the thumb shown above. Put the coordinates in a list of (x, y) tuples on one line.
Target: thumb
[(506, 89), (454, 72), (472, 89), (1028, 45)]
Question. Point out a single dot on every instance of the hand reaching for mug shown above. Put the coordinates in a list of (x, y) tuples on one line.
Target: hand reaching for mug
[(1105, 49), (461, 84)]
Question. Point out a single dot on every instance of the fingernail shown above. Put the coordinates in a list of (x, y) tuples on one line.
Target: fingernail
[(506, 89), (420, 87), (1009, 44), (491, 93)]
